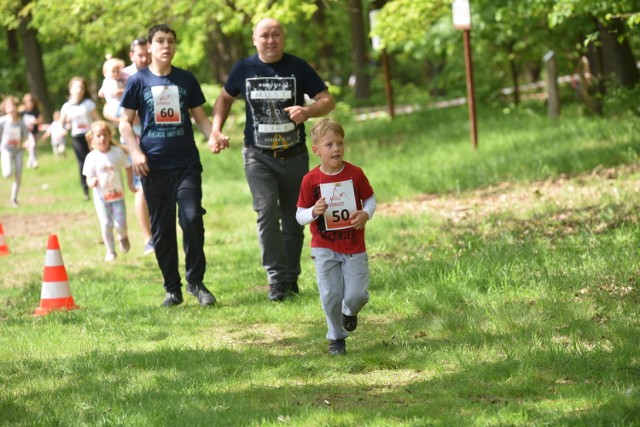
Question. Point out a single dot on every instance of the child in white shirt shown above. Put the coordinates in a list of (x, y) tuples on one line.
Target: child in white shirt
[(103, 167)]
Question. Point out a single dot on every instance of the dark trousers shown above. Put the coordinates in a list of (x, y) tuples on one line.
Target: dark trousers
[(81, 148), (164, 190)]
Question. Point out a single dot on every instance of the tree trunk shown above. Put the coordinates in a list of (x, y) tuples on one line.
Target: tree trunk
[(35, 67), (15, 56), (222, 52), (325, 51), (514, 74), (359, 50), (617, 55)]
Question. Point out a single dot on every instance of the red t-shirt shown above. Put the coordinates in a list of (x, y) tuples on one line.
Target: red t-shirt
[(346, 240)]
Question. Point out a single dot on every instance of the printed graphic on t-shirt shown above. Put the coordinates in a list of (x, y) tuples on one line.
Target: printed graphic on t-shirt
[(268, 97), (342, 203), (13, 137), (166, 104), (81, 124), (111, 190)]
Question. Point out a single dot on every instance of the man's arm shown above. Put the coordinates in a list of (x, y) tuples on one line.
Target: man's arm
[(323, 104), (204, 124)]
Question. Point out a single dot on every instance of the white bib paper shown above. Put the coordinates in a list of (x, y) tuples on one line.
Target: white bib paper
[(166, 104), (342, 203)]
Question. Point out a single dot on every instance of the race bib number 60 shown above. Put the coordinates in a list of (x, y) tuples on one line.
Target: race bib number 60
[(166, 104), (342, 203)]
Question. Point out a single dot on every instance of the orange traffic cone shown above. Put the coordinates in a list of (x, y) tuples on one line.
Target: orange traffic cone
[(4, 249), (56, 293)]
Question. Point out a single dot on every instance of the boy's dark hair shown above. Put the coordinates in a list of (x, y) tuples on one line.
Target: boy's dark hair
[(160, 28)]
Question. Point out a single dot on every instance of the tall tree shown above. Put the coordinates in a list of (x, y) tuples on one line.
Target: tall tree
[(36, 77), (17, 19), (359, 50)]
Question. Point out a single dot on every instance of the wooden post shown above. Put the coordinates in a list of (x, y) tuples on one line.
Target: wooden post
[(470, 89), (387, 83), (553, 92)]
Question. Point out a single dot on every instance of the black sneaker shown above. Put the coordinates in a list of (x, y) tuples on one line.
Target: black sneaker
[(349, 323), (172, 299), (277, 291), (201, 292), (337, 347)]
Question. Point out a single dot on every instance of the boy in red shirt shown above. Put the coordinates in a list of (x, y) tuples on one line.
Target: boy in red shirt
[(337, 200)]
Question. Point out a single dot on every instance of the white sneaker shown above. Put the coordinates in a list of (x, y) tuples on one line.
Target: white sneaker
[(110, 256)]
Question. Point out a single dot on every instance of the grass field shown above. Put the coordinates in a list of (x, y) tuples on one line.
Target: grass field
[(504, 291)]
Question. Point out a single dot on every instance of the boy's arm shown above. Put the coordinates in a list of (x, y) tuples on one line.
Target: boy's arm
[(221, 110), (204, 124), (305, 216), (138, 158), (360, 218)]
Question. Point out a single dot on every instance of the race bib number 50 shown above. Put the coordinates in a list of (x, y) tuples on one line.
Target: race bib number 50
[(166, 104), (342, 204)]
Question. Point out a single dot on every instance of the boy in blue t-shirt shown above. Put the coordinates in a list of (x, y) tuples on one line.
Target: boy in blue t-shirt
[(167, 160)]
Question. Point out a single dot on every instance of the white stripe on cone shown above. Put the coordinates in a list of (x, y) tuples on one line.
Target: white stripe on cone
[(53, 258), (52, 290)]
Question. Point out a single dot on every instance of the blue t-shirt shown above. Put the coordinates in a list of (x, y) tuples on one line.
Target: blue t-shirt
[(163, 104), (268, 89)]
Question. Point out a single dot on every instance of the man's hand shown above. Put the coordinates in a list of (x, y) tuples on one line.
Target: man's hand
[(217, 142), (297, 114)]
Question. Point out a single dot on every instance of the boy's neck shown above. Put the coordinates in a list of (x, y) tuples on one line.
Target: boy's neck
[(329, 170), (160, 68)]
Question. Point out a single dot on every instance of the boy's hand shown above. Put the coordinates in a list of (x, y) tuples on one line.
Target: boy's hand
[(359, 219), (320, 207)]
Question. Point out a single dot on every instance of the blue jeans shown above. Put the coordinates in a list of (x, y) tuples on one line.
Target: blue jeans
[(164, 189), (275, 186)]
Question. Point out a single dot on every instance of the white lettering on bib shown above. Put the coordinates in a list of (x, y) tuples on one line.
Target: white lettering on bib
[(166, 104), (342, 203)]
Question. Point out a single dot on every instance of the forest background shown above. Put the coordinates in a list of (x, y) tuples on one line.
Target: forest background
[(45, 42)]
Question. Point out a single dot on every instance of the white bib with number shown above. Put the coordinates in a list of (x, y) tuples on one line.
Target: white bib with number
[(342, 203), (166, 104)]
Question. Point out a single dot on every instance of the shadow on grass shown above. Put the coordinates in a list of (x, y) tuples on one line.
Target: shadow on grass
[(253, 385)]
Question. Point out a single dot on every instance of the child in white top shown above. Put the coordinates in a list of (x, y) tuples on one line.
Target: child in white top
[(112, 85), (103, 169), (13, 136), (58, 134)]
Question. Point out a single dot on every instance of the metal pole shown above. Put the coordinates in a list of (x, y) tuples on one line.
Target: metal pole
[(470, 90), (387, 82)]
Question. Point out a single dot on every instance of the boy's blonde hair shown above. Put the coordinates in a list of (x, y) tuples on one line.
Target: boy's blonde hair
[(324, 126), (101, 124)]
